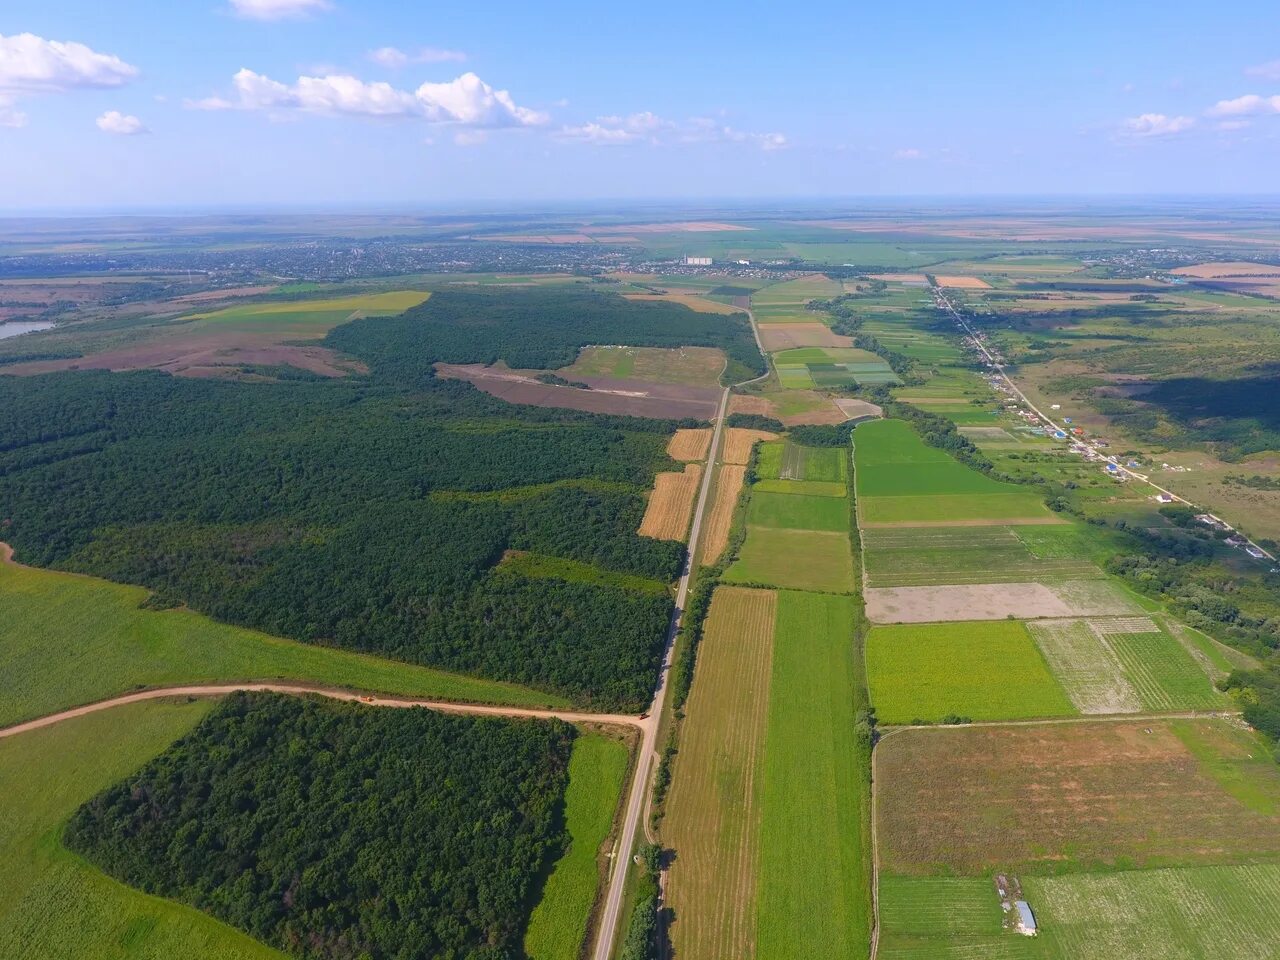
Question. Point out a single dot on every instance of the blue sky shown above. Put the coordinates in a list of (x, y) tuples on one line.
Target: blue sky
[(350, 103)]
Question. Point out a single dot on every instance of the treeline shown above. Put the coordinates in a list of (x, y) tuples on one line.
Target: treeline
[(754, 421), (341, 832), (536, 328)]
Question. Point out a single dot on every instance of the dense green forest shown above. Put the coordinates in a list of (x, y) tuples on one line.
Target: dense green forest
[(540, 328), (372, 512), (336, 831)]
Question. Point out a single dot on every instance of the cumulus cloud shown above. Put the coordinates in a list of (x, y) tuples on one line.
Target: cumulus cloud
[(31, 64), (394, 58), (1251, 104), (1266, 71), (1156, 125), (278, 9), (466, 101), (120, 124), (650, 128)]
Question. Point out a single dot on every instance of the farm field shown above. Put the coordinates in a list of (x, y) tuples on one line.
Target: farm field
[(53, 904), (795, 559), (66, 640), (996, 601), (984, 671), (787, 460), (798, 512), (1076, 797), (714, 806), (688, 444), (670, 506), (928, 556), (558, 924), (738, 442), (719, 518), (694, 366), (813, 888), (951, 918)]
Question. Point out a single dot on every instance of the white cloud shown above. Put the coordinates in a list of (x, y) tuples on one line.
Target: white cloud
[(394, 58), (1267, 71), (649, 127), (470, 138), (466, 101), (31, 64), (1249, 105), (11, 116), (278, 9), (1156, 125), (125, 125), (909, 153)]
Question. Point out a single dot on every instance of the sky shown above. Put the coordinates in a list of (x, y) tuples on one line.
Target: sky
[(372, 104)]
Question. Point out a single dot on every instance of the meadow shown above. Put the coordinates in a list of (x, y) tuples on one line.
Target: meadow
[(54, 905), (984, 671), (559, 923), (795, 559), (798, 512), (67, 639)]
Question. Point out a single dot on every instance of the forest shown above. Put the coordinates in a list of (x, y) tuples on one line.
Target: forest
[(373, 512), (335, 831)]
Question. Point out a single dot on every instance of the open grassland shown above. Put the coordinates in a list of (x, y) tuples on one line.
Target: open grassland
[(558, 925), (666, 516), (67, 640), (693, 366), (925, 556), (728, 487), (689, 444), (714, 807), (795, 559), (1197, 913), (984, 671), (813, 889), (1085, 796), (792, 512), (53, 904), (738, 442)]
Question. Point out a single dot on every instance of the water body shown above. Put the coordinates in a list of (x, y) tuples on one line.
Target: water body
[(23, 326)]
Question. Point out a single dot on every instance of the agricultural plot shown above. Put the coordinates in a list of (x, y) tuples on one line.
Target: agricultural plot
[(719, 519), (802, 488), (558, 924), (689, 444), (949, 918), (787, 336), (67, 640), (53, 904), (795, 559), (693, 366), (714, 807), (1084, 796), (792, 512), (926, 556), (785, 302), (996, 601), (813, 888), (666, 516), (983, 671), (738, 442), (831, 367)]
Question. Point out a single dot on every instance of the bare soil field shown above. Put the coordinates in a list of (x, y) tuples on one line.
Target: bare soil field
[(900, 277), (996, 601), (1043, 798), (671, 503), (854, 409), (714, 811), (687, 445), (963, 283), (738, 442), (635, 398), (720, 518), (786, 336), (1219, 271)]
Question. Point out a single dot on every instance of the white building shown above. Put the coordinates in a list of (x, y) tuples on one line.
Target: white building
[(697, 261)]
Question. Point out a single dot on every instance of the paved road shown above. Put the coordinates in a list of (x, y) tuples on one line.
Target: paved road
[(222, 689)]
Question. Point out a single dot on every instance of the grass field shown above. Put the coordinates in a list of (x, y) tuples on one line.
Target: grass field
[(558, 925), (922, 556), (985, 671), (813, 891), (798, 512), (53, 904), (666, 516), (696, 366), (67, 640), (804, 488), (795, 559), (948, 918), (1060, 798), (304, 318), (713, 810)]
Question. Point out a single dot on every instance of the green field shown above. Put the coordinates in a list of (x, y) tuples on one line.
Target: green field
[(53, 904), (807, 488), (924, 556), (558, 925), (798, 512), (982, 670), (67, 640), (947, 918), (996, 508), (786, 460), (303, 318), (795, 559), (813, 894)]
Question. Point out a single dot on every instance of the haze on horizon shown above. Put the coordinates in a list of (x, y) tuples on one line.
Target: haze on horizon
[(367, 103)]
